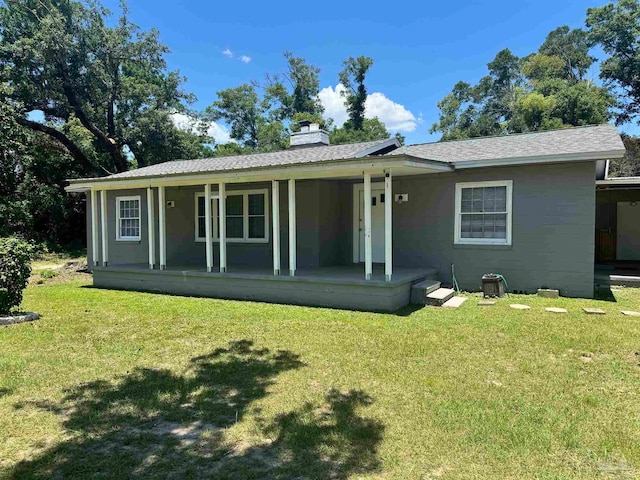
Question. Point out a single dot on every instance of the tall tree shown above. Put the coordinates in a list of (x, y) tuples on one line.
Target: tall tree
[(352, 77), (295, 91), (616, 28), (242, 108), (572, 48), (65, 61), (542, 91)]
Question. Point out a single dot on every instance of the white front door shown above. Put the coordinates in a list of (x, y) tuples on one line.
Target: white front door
[(377, 223), (628, 228)]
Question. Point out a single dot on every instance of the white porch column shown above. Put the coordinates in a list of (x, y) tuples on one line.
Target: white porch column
[(275, 205), (94, 228), (388, 227), (292, 228), (222, 229), (162, 237), (151, 228), (103, 221), (207, 227), (368, 265)]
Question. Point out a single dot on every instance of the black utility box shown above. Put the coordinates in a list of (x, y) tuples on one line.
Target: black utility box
[(493, 285)]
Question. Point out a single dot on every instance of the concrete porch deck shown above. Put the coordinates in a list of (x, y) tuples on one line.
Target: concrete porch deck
[(335, 286)]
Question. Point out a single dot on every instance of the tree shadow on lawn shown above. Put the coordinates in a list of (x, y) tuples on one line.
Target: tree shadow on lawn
[(158, 424)]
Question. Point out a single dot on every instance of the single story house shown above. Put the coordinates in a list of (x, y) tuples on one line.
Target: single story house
[(354, 226)]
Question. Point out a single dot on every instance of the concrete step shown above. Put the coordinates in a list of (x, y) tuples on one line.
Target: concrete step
[(420, 290), (440, 296), (454, 302)]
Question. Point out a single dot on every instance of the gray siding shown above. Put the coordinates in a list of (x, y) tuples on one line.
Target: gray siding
[(553, 222)]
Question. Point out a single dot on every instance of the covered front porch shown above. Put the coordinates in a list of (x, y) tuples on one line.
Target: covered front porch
[(322, 238)]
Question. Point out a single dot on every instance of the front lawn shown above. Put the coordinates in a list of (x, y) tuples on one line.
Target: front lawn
[(115, 384)]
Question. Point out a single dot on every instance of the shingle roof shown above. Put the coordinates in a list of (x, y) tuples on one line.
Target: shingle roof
[(256, 160), (579, 140)]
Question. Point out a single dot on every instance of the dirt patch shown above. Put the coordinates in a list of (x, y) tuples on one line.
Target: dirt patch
[(75, 270)]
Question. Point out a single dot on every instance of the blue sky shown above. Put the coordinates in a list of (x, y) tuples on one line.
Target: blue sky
[(420, 49)]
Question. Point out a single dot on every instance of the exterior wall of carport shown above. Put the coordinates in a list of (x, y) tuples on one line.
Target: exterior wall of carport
[(552, 234), (323, 228)]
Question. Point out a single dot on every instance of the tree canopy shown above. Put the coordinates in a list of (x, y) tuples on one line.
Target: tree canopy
[(64, 61)]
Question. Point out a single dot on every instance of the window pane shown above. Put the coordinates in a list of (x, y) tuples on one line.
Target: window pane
[(234, 204), (201, 227), (235, 227), (478, 199), (201, 206), (501, 199), (256, 227), (256, 204), (466, 226)]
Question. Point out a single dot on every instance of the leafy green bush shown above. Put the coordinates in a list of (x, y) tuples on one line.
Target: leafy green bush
[(15, 268)]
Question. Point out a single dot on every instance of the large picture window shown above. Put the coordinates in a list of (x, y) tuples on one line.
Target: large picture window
[(483, 213), (128, 218), (247, 219)]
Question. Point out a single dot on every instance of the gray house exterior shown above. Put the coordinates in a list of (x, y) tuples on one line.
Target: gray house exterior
[(355, 226)]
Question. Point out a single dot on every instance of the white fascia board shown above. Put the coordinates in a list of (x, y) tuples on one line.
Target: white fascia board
[(298, 172), (572, 157)]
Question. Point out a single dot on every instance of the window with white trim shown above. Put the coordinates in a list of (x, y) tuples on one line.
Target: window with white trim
[(247, 217), (128, 218), (483, 213)]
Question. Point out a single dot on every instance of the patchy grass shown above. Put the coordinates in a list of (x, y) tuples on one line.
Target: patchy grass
[(119, 384)]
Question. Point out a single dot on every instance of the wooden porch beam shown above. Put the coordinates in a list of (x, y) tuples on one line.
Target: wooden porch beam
[(275, 205), (292, 227), (388, 226), (105, 229), (222, 228), (368, 264), (151, 229), (94, 228), (162, 238), (207, 227)]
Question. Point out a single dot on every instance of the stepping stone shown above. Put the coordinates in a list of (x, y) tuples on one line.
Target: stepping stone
[(517, 306), (454, 302), (556, 310), (594, 311), (630, 313), (486, 303)]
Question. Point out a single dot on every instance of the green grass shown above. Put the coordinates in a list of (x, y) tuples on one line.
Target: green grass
[(115, 384)]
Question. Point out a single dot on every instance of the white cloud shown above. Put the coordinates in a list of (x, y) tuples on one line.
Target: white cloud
[(220, 133), (227, 53), (395, 116), (245, 58)]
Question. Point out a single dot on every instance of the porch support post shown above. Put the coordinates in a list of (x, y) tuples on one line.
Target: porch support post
[(222, 218), (151, 229), (94, 228), (162, 237), (103, 221), (368, 265), (207, 227), (292, 227), (275, 205), (388, 226)]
